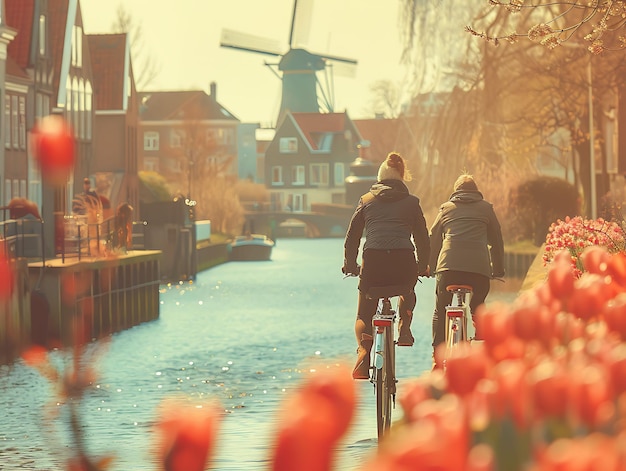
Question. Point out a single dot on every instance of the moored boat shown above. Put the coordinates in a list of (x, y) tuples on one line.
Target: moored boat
[(251, 247)]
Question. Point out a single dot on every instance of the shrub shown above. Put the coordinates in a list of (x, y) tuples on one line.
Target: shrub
[(539, 202)]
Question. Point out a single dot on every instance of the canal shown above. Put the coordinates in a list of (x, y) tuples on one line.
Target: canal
[(241, 334)]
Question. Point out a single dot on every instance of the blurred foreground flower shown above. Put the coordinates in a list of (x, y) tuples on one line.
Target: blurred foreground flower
[(313, 420), (186, 435), (53, 146)]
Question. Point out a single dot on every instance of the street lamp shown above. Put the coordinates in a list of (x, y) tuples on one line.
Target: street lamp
[(592, 146), (592, 140)]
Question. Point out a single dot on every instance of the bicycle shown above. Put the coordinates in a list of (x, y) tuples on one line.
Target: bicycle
[(457, 313), (383, 359)]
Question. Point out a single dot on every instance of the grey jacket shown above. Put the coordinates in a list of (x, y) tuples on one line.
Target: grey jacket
[(466, 236), (390, 216)]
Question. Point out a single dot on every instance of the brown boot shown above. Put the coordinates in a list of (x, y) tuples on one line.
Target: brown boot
[(362, 367), (405, 337)]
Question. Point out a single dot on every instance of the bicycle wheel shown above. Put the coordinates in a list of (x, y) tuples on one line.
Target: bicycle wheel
[(385, 385)]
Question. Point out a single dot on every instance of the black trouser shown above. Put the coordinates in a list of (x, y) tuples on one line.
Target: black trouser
[(480, 285), (386, 268)]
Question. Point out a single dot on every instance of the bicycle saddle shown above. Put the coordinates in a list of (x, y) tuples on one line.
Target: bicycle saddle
[(458, 288)]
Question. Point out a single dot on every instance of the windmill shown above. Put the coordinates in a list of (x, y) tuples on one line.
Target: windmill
[(297, 68)]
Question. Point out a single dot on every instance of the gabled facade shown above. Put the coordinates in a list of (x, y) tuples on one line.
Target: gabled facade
[(51, 69), (309, 158), (50, 48), (114, 167), (182, 131)]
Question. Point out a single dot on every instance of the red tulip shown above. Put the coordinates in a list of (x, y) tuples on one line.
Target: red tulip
[(494, 322), (413, 394), (595, 259), (438, 440), (590, 393), (568, 327), (53, 147), (614, 314), (512, 392), (616, 363), (548, 383), (187, 435), (616, 267), (561, 275), (465, 366), (313, 420), (589, 296)]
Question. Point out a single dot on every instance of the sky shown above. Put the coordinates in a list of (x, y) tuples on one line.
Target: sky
[(183, 39)]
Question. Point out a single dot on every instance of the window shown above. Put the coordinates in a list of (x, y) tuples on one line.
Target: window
[(81, 106), (77, 46), (176, 138), (22, 122), (288, 145), (151, 164), (42, 35), (297, 175), (7, 121), (319, 174), (151, 140), (14, 122), (296, 202), (277, 175), (75, 106), (88, 101), (324, 140), (339, 174)]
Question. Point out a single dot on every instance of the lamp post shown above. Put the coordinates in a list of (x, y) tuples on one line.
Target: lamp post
[(592, 146), (592, 141)]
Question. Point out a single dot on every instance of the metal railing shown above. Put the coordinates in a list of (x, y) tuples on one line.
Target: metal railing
[(24, 238)]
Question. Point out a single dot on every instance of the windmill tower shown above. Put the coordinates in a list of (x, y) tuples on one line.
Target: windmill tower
[(302, 89)]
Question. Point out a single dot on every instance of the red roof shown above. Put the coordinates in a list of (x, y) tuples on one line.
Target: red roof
[(315, 123), (382, 134), (19, 16), (108, 53), (172, 105)]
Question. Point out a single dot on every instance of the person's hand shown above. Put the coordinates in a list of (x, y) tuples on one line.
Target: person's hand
[(351, 270)]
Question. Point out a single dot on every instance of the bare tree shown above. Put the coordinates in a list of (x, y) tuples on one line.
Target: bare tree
[(515, 99), (202, 170), (387, 98), (145, 67), (600, 24)]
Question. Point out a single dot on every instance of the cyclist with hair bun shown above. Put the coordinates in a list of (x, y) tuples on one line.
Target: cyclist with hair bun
[(394, 226)]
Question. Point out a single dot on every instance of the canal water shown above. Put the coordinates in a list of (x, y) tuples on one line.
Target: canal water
[(241, 334)]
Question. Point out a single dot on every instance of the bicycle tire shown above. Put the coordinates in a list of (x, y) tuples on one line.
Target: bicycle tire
[(385, 385)]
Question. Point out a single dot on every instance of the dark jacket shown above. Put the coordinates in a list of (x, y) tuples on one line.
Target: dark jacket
[(390, 216), (466, 236)]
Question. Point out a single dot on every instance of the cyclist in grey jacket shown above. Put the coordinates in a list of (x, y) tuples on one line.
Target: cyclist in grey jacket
[(467, 248), (394, 225)]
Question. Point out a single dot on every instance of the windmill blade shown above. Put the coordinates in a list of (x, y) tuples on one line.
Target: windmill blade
[(250, 43), (343, 66), (344, 69), (328, 57), (300, 23)]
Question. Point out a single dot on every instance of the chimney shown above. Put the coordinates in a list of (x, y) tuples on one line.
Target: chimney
[(213, 88)]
